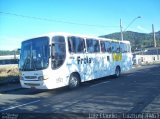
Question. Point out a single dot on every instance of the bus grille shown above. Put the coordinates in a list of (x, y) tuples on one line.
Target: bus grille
[(31, 77), (31, 84)]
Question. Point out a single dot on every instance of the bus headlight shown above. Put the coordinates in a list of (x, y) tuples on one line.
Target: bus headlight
[(42, 78)]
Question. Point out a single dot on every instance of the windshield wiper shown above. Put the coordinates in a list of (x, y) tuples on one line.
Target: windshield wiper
[(25, 64), (28, 61), (33, 62)]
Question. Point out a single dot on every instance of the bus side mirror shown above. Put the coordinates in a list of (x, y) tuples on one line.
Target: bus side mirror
[(19, 49)]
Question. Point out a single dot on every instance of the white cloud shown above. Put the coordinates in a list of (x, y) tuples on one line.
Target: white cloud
[(142, 29)]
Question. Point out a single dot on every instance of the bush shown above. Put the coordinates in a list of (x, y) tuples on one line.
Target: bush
[(9, 73)]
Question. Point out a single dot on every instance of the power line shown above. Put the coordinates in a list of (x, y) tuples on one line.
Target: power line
[(53, 20)]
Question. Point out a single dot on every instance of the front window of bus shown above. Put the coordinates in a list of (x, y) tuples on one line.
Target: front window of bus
[(34, 54)]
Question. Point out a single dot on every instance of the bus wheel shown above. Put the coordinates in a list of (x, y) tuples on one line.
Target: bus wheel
[(74, 81), (117, 72)]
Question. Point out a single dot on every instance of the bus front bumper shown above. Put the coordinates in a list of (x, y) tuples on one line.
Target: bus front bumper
[(33, 84)]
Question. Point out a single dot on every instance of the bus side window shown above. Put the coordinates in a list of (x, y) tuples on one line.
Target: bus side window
[(76, 44), (96, 46), (58, 51), (128, 48), (89, 43), (125, 48), (118, 47), (70, 44), (92, 46), (103, 46), (80, 45), (121, 47), (113, 47), (108, 46)]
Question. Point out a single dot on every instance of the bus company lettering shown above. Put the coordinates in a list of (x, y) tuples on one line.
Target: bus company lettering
[(83, 60)]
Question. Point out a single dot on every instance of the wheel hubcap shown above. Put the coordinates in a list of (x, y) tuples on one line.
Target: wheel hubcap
[(117, 72), (73, 82)]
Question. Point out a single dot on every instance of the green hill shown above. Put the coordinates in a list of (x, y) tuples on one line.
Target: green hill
[(138, 40)]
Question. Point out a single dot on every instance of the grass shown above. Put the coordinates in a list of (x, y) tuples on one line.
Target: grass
[(9, 73)]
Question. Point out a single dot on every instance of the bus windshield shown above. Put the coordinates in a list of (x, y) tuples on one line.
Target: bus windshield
[(34, 54)]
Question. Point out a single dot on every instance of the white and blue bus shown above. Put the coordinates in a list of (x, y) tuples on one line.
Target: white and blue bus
[(60, 59)]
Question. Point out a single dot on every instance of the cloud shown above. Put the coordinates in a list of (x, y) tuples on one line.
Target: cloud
[(143, 29)]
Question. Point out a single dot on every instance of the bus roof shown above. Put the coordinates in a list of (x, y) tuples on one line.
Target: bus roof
[(79, 35)]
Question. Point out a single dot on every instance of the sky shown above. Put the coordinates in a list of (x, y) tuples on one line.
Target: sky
[(24, 19)]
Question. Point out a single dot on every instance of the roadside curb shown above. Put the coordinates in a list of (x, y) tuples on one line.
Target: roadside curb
[(14, 80), (10, 87), (142, 65), (136, 66)]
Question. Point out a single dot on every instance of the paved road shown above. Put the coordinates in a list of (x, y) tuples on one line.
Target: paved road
[(136, 91)]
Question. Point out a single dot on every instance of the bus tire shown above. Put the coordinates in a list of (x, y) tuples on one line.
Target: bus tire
[(74, 81), (117, 72)]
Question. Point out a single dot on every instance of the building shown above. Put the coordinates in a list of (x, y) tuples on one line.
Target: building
[(149, 55)]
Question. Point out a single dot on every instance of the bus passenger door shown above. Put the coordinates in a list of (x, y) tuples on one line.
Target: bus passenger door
[(92, 58), (76, 60)]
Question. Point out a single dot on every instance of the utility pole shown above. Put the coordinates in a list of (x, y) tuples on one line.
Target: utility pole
[(154, 36), (121, 30), (154, 40)]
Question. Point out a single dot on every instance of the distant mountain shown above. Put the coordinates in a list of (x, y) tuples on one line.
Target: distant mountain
[(138, 40), (158, 34)]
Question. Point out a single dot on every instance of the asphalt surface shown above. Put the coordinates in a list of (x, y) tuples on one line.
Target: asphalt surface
[(135, 92)]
